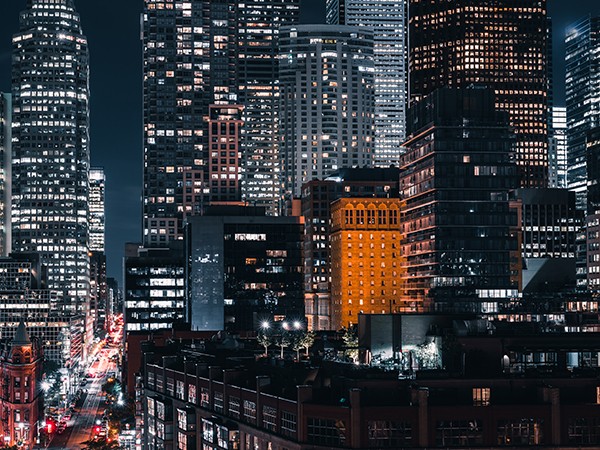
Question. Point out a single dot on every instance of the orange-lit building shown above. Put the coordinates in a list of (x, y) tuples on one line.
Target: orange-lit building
[(21, 362), (365, 258)]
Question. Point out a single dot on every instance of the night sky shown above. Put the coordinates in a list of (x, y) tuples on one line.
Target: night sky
[(113, 31)]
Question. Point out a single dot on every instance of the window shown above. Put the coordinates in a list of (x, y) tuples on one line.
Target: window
[(520, 432), (192, 393), (481, 396), (584, 431), (204, 398), (234, 407), (207, 431), (181, 419), (326, 431), (391, 434), (288, 423), (180, 390), (459, 433), (269, 418), (218, 402), (250, 411)]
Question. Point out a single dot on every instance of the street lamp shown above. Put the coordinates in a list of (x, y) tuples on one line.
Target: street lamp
[(265, 325)]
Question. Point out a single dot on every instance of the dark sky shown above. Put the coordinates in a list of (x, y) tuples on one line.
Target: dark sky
[(113, 30)]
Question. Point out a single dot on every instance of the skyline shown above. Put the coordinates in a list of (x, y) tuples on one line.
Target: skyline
[(116, 133)]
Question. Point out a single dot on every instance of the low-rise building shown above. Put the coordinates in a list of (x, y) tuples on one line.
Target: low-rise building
[(21, 403), (204, 399)]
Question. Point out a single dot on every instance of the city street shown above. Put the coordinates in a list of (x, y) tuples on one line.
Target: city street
[(81, 425)]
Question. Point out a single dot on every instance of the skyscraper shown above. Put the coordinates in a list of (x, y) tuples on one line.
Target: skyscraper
[(51, 146), (389, 21), (188, 66), (97, 215), (326, 82), (557, 150), (499, 44), (582, 90), (456, 222), (5, 171), (257, 65), (200, 56)]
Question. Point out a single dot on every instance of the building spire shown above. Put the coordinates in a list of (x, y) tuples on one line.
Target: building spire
[(21, 336)]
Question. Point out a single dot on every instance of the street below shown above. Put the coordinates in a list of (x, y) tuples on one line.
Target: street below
[(85, 422)]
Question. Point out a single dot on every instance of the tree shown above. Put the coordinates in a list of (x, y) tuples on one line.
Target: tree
[(303, 340), (283, 340), (350, 339), (265, 340)]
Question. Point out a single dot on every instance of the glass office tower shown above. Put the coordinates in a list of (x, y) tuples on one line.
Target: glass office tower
[(50, 170), (499, 44), (389, 21), (456, 219), (582, 90)]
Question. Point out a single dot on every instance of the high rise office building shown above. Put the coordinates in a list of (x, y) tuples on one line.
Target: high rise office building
[(557, 150), (50, 170), (456, 221), (326, 82), (257, 64), (582, 88), (499, 44), (5, 171), (187, 67), (97, 214), (389, 21), (201, 56)]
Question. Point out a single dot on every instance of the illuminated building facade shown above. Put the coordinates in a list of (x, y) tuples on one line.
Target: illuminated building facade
[(224, 126), (50, 184), (549, 223), (317, 196), (582, 86), (258, 72), (593, 210), (499, 44), (200, 55), (24, 295), (187, 67), (557, 151), (5, 171), (456, 220), (366, 261), (21, 400), (243, 267), (326, 82), (154, 288), (97, 214), (389, 21)]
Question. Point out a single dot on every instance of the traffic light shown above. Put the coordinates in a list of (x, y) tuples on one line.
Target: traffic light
[(96, 430)]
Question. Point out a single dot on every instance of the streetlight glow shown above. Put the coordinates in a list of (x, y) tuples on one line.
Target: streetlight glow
[(297, 325), (265, 325)]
